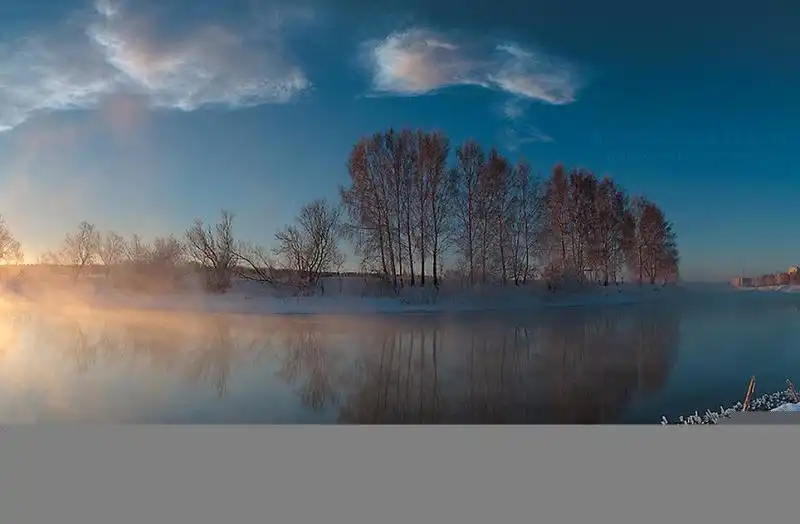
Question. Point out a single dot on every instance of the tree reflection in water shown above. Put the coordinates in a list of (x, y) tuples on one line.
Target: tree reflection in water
[(306, 360), (202, 348), (580, 366)]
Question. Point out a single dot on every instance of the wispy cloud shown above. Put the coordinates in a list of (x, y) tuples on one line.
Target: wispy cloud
[(515, 108), (518, 130), (119, 49), (422, 61), (520, 135)]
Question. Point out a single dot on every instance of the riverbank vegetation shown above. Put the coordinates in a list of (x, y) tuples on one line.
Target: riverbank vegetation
[(415, 211)]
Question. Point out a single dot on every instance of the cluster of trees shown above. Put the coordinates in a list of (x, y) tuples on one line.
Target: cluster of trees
[(10, 248), (411, 209), (303, 251), (592, 229)]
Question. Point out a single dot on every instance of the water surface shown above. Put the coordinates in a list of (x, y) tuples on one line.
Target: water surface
[(592, 365)]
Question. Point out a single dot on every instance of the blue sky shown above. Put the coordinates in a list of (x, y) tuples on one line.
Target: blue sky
[(141, 115)]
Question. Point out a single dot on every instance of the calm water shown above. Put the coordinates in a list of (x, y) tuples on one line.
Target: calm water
[(624, 364)]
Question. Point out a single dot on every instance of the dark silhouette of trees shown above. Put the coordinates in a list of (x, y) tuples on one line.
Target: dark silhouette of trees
[(438, 223), (213, 250), (607, 235), (311, 248), (522, 208), (367, 203), (494, 219), (470, 164), (650, 244)]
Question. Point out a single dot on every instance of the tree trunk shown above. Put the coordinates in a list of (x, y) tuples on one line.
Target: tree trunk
[(422, 257), (410, 247), (470, 243), (641, 267)]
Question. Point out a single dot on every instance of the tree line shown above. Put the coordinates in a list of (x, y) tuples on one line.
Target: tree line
[(412, 205), (303, 252), (414, 208)]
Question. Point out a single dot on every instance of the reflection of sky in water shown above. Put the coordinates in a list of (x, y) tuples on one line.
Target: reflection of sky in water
[(616, 364)]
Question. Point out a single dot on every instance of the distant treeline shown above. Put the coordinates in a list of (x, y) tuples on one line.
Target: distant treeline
[(413, 210)]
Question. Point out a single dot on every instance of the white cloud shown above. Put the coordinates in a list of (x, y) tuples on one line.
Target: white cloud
[(118, 50), (418, 62), (534, 76), (422, 61)]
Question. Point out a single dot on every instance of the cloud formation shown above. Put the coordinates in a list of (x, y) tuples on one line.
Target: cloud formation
[(518, 130), (117, 50), (421, 61)]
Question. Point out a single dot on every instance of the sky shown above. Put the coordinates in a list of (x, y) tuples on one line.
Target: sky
[(141, 115)]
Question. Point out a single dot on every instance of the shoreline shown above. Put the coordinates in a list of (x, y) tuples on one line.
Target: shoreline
[(769, 402), (259, 301)]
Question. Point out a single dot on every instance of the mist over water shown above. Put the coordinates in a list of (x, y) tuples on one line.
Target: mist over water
[(582, 365)]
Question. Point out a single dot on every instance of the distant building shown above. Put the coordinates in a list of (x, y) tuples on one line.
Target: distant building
[(782, 279), (742, 282), (794, 270)]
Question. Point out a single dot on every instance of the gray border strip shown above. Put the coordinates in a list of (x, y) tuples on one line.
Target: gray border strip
[(231, 474)]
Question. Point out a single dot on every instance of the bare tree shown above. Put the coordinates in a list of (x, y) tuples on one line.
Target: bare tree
[(436, 149), (166, 257), (81, 247), (255, 263), (367, 202), (213, 249), (111, 250), (607, 235), (167, 253), (10, 249), (555, 207), (523, 211), (494, 212), (311, 247), (669, 259), (649, 242), (582, 212), (137, 252), (51, 258), (394, 157), (420, 192), (470, 164)]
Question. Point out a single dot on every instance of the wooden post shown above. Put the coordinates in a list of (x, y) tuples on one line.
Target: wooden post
[(750, 388)]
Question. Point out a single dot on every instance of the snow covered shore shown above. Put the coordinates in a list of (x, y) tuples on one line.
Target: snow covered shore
[(778, 401), (788, 288), (340, 297)]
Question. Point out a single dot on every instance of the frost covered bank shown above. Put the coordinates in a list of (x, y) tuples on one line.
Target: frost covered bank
[(778, 401), (345, 295)]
